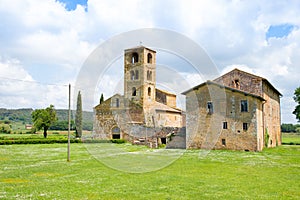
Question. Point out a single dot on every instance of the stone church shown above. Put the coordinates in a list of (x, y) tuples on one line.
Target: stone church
[(237, 111), (143, 112)]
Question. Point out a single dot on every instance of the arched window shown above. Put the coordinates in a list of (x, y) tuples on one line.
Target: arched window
[(133, 91), (149, 91), (132, 75), (236, 83), (149, 58), (116, 133), (136, 74), (149, 75), (135, 58)]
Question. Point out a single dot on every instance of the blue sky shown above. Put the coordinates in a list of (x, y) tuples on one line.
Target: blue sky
[(279, 31), (72, 4), (44, 44)]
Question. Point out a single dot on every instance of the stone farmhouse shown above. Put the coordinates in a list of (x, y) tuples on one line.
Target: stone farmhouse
[(237, 111), (144, 112)]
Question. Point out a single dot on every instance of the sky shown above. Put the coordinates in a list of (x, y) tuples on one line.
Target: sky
[(45, 44)]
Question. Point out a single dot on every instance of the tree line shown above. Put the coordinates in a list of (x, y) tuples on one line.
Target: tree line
[(290, 128)]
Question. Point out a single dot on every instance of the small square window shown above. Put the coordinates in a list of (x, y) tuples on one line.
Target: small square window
[(244, 106), (245, 126), (224, 142), (225, 125)]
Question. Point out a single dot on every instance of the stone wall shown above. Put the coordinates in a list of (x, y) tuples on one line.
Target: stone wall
[(242, 81), (271, 116), (206, 130)]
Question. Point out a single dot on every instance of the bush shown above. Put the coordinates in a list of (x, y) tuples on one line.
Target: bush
[(8, 141), (118, 141), (5, 128)]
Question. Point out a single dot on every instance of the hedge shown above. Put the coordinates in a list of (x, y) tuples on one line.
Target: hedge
[(10, 141)]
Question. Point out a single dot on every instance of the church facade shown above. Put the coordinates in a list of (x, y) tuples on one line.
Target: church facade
[(143, 108)]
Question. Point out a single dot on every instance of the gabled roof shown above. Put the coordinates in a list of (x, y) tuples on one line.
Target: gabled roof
[(166, 92), (222, 86), (139, 47), (253, 75), (109, 99), (162, 107)]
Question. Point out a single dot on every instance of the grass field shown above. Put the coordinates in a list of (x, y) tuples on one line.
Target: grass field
[(41, 172), (291, 138)]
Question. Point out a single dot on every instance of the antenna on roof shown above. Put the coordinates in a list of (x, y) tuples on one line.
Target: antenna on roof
[(141, 43)]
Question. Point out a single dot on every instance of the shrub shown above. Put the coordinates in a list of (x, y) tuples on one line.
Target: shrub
[(5, 128), (118, 141), (8, 141)]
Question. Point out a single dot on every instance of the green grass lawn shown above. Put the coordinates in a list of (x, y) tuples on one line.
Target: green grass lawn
[(41, 172), (291, 138)]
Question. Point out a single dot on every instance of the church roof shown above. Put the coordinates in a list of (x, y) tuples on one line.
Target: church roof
[(166, 92), (162, 107), (139, 47)]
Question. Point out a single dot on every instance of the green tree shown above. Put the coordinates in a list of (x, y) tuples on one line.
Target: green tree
[(101, 99), (43, 118), (78, 116), (297, 100), (5, 128), (288, 128)]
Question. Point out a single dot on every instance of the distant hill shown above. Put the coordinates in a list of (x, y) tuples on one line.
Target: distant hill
[(24, 115)]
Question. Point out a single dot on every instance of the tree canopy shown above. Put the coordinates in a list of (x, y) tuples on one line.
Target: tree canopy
[(297, 100), (43, 118)]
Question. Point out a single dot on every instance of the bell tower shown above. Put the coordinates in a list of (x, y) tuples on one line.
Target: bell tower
[(140, 75)]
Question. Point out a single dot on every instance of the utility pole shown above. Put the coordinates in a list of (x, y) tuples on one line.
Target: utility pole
[(69, 123)]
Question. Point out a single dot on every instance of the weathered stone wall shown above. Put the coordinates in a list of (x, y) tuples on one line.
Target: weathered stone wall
[(166, 98), (242, 81), (271, 116), (161, 97), (205, 129), (168, 119), (143, 66)]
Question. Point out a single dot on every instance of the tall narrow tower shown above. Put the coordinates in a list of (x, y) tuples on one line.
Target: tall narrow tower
[(140, 75)]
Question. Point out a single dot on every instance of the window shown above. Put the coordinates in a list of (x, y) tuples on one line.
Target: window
[(210, 108), (134, 58), (149, 58), (149, 75), (117, 103), (149, 91), (236, 83), (132, 75), (224, 142), (136, 74), (245, 126), (225, 125), (133, 91), (244, 106)]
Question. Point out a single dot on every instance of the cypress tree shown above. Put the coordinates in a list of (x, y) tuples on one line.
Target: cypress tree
[(78, 116), (101, 99)]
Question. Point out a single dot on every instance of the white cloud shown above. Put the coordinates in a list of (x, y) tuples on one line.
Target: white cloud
[(49, 41), (12, 69), (19, 89)]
